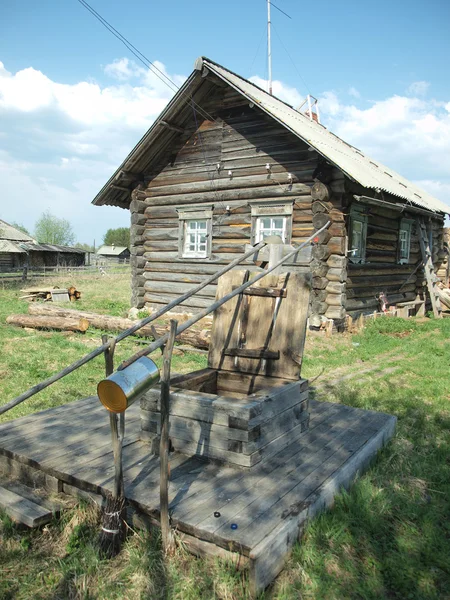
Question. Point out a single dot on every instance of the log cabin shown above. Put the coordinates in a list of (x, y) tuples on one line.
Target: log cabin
[(226, 164)]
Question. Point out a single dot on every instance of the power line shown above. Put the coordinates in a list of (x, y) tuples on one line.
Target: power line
[(143, 59)]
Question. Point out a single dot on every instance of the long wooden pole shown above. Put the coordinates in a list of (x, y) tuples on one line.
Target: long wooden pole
[(101, 349), (116, 436), (212, 307), (166, 533)]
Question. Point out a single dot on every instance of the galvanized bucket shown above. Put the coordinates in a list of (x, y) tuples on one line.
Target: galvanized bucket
[(118, 391)]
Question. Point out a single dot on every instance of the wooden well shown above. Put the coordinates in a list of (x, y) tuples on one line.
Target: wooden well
[(250, 402)]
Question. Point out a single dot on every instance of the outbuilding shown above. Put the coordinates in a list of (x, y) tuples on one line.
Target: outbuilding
[(226, 164)]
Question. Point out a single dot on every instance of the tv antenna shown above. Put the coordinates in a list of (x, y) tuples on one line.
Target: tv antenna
[(269, 43)]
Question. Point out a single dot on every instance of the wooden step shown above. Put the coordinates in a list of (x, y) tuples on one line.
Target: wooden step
[(21, 509)]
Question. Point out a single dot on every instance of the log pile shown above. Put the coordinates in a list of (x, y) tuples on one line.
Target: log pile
[(45, 294), (198, 339)]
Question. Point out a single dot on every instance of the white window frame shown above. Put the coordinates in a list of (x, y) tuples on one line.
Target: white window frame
[(405, 227), (194, 214), (271, 210), (357, 219)]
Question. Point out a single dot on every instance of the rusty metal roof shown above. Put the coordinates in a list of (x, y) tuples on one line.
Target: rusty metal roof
[(350, 160)]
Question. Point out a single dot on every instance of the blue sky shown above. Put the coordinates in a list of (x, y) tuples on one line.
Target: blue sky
[(73, 101)]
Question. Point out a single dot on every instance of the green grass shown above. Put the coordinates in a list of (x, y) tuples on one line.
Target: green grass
[(388, 537)]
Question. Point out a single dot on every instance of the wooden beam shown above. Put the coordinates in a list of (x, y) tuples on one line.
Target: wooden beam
[(166, 533), (252, 353), (171, 126)]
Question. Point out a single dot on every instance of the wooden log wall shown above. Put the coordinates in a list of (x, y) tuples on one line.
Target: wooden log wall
[(242, 141), (221, 162), (381, 271), (329, 264)]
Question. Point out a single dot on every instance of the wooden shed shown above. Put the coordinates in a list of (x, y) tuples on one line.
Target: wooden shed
[(114, 254), (19, 249), (226, 164)]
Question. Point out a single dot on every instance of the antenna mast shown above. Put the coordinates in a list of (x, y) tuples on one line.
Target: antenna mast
[(269, 48)]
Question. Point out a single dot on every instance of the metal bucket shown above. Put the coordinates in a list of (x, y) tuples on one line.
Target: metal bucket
[(118, 391)]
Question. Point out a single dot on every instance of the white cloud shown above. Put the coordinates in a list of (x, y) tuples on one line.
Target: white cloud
[(122, 69), (409, 134), (352, 91), (280, 90), (418, 88), (76, 136)]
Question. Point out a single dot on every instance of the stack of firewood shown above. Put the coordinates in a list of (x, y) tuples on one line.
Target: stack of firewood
[(51, 294)]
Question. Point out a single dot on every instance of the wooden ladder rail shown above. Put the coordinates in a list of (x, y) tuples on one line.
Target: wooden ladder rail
[(163, 339), (430, 273), (215, 305), (104, 347)]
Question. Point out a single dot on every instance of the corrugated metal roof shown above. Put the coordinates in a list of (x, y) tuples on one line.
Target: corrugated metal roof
[(355, 164), (10, 247), (8, 232), (52, 248), (368, 172), (111, 250)]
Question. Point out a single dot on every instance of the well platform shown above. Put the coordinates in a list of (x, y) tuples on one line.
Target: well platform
[(69, 448)]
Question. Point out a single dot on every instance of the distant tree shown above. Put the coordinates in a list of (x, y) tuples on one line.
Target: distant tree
[(20, 227), (117, 237), (85, 247), (51, 230)]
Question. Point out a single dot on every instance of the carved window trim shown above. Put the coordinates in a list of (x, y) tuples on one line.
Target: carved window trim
[(271, 210), (196, 215)]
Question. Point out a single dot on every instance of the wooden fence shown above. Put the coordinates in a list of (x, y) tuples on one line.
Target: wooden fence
[(32, 273)]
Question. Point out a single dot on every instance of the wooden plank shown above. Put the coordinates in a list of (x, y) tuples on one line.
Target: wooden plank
[(22, 510), (288, 503), (253, 353), (268, 557), (223, 498)]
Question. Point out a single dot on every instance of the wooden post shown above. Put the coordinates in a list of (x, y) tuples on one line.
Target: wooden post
[(166, 533), (117, 423), (101, 349)]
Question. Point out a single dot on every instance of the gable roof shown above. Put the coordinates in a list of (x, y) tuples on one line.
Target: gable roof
[(8, 232), (351, 161), (111, 250)]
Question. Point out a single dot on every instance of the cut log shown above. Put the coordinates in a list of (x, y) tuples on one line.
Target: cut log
[(320, 191), (198, 339), (78, 324)]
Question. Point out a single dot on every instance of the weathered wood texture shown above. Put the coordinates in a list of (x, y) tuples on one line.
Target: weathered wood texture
[(242, 141), (381, 271), (211, 420), (269, 503), (199, 339), (221, 162), (75, 323)]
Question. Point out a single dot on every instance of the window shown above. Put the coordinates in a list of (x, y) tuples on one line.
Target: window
[(266, 226), (195, 232), (358, 235), (404, 240), (195, 238), (271, 219)]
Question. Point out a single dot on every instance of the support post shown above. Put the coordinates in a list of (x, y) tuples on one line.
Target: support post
[(166, 533), (117, 423)]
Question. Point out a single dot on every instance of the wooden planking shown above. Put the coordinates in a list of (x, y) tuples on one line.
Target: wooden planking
[(274, 324), (277, 544), (22, 510), (197, 489)]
